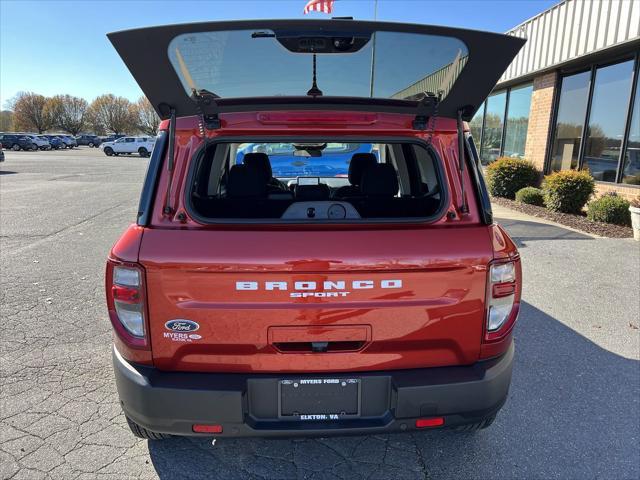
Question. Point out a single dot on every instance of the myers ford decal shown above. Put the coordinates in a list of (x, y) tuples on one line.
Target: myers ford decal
[(180, 330), (328, 288)]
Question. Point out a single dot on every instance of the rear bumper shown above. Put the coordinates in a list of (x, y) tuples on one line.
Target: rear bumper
[(246, 405)]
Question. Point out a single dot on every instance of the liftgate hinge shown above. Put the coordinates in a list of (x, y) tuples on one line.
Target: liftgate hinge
[(207, 110), (427, 109)]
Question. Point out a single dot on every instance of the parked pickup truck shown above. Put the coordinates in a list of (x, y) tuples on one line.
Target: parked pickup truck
[(246, 303), (143, 146)]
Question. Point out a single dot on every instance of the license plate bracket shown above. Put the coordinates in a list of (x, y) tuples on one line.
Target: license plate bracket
[(319, 399)]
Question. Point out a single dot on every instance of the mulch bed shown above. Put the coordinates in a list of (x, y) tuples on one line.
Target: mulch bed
[(579, 222)]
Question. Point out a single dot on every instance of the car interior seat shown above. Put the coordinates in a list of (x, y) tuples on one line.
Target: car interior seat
[(260, 162), (357, 166)]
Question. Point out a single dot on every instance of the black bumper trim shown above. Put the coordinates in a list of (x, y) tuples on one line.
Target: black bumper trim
[(171, 402)]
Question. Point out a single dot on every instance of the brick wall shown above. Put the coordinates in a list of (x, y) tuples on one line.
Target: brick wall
[(540, 118), (622, 190)]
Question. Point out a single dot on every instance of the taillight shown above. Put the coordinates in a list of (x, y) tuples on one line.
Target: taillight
[(126, 301), (503, 299)]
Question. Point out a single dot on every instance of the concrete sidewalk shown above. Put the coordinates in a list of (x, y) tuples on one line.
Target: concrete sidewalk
[(507, 215), (520, 225)]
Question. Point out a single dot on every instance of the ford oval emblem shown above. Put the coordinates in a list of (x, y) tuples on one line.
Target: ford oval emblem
[(181, 325)]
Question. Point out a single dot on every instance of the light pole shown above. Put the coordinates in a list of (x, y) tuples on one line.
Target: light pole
[(373, 49)]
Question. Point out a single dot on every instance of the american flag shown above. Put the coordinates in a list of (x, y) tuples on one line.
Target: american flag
[(325, 6)]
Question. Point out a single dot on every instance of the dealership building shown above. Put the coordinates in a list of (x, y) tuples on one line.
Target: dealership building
[(571, 97)]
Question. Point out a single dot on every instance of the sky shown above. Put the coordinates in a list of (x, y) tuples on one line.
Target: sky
[(60, 47)]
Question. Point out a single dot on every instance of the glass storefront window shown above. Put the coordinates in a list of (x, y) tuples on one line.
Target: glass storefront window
[(611, 93), (475, 125), (517, 121), (570, 121), (494, 121), (631, 165)]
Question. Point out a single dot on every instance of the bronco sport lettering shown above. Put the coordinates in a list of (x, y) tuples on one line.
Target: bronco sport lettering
[(326, 285)]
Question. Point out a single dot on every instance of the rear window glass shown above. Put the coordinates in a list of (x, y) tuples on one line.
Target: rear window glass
[(255, 63), (315, 181), (291, 161)]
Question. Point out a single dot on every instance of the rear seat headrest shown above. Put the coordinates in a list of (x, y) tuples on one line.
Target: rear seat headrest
[(380, 180), (260, 162), (358, 164), (245, 182)]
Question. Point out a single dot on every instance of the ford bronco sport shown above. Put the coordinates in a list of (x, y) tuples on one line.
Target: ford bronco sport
[(245, 303)]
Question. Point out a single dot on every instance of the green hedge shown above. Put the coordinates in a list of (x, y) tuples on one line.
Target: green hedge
[(530, 196), (568, 191), (507, 175), (610, 208)]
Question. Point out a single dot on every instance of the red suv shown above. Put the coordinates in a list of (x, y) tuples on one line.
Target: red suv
[(246, 304)]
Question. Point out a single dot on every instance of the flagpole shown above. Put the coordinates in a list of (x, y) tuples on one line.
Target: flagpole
[(373, 49)]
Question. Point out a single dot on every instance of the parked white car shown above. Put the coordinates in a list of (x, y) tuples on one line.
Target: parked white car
[(143, 146), (40, 141)]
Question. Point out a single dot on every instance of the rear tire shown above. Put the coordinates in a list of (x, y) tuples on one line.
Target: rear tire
[(143, 152), (108, 151), (142, 432), (90, 144), (15, 147), (473, 427)]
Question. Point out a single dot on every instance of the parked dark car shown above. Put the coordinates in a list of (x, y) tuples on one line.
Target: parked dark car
[(17, 142), (111, 138), (1, 153), (56, 142), (89, 140)]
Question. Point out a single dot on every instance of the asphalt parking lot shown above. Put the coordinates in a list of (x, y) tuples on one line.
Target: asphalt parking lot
[(573, 411)]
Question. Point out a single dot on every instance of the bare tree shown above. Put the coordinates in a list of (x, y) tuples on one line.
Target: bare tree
[(94, 123), (67, 113), (29, 112), (147, 117), (112, 113), (6, 121)]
